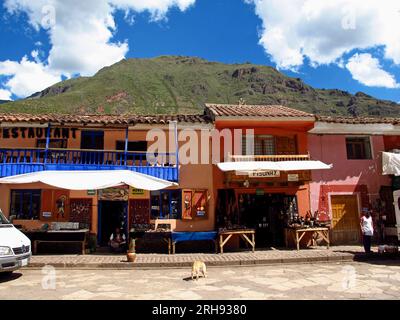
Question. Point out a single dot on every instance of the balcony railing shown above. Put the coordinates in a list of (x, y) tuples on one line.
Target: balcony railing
[(18, 161), (273, 158)]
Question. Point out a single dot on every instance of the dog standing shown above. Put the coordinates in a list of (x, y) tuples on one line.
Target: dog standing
[(199, 267)]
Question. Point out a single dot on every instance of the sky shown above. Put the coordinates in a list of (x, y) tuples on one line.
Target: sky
[(352, 45)]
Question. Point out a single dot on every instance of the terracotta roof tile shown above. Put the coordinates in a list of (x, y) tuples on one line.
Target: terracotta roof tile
[(357, 120), (127, 119), (270, 111)]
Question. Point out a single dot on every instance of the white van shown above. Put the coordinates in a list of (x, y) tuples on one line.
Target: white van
[(15, 247)]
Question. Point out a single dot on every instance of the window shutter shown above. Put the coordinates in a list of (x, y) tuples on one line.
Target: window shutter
[(187, 200), (194, 204), (200, 203)]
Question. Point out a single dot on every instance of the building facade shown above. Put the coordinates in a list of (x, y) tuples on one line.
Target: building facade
[(234, 166), (356, 182)]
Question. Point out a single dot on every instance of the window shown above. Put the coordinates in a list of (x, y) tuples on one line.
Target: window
[(133, 146), (53, 143), (25, 204), (358, 148), (166, 204), (263, 145), (92, 140)]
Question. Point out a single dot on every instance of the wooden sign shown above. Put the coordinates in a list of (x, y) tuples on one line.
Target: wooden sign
[(114, 194), (265, 174)]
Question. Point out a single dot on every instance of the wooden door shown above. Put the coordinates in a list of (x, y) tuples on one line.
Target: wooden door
[(345, 219)]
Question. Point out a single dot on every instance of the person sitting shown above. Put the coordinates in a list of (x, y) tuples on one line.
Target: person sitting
[(117, 241)]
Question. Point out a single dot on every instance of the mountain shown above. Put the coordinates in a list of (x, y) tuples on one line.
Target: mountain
[(175, 84)]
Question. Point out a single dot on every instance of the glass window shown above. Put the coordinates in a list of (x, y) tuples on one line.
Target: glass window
[(166, 204), (25, 204), (358, 148), (263, 145), (134, 146)]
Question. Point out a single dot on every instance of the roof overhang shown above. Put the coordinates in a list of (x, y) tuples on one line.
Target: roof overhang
[(90, 180), (272, 165), (346, 128), (266, 119)]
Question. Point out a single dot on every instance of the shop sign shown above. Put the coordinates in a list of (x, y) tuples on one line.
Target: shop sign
[(46, 214), (137, 192), (293, 177), (265, 174), (38, 133), (114, 194), (91, 192), (260, 192)]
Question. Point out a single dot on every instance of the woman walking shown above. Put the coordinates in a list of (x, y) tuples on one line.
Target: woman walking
[(367, 230)]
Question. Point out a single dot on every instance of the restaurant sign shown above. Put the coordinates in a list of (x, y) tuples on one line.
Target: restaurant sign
[(265, 174), (38, 133)]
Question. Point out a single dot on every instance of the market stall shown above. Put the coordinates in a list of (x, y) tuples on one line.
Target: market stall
[(309, 227), (148, 233), (225, 235), (194, 236), (297, 235), (60, 233)]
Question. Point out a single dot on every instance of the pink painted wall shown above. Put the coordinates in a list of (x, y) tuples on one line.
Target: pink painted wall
[(346, 176)]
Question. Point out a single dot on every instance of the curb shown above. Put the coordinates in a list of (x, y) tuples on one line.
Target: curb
[(161, 265)]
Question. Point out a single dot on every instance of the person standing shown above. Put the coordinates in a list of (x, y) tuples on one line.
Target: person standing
[(367, 230)]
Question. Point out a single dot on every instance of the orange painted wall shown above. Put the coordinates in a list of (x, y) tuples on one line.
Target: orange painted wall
[(192, 176), (279, 128)]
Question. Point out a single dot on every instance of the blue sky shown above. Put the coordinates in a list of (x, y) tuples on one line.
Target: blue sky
[(58, 42)]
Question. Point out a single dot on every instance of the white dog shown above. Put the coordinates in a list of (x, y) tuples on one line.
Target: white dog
[(199, 267)]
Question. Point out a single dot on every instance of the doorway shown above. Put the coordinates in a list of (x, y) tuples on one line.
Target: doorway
[(112, 214), (345, 219), (266, 214)]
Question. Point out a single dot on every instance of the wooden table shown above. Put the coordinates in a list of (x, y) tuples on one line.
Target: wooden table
[(164, 236), (298, 234), (244, 234), (194, 236), (58, 236)]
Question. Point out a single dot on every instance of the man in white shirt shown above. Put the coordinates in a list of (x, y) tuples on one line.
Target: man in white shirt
[(117, 240), (367, 230)]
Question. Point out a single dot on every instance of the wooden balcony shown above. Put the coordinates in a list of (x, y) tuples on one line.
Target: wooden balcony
[(273, 158), (14, 161)]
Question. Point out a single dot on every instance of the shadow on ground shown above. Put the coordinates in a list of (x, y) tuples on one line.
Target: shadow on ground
[(6, 277)]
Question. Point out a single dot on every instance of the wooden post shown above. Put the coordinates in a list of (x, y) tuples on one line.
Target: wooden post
[(47, 144), (126, 145)]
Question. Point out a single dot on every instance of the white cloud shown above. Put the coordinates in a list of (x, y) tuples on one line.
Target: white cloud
[(26, 77), (80, 33), (368, 71), (324, 31), (5, 94)]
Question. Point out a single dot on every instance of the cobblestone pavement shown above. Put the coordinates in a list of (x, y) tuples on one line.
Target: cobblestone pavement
[(355, 280), (318, 254)]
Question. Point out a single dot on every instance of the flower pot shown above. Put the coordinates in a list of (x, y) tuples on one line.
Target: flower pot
[(131, 256)]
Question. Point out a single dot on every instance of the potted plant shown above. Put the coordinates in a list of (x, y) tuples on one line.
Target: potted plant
[(131, 253)]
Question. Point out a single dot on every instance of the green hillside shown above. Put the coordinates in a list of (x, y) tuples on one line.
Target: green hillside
[(171, 84)]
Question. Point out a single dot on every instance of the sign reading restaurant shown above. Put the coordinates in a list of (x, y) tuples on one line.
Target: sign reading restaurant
[(33, 133)]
